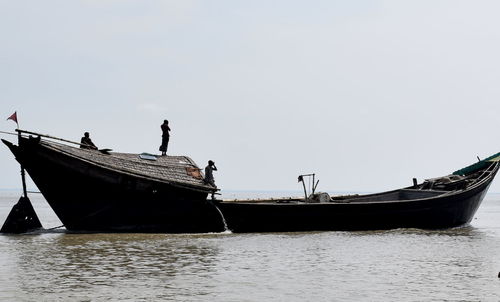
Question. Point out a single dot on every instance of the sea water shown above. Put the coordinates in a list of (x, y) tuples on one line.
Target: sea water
[(460, 264)]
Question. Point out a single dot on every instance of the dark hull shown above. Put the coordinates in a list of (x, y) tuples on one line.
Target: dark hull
[(454, 209), (88, 198)]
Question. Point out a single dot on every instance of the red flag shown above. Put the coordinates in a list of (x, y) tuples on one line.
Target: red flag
[(13, 117)]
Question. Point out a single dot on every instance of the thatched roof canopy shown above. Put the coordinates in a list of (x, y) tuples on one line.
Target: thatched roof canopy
[(176, 170)]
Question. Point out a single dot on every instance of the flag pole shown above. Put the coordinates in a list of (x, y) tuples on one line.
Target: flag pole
[(23, 173)]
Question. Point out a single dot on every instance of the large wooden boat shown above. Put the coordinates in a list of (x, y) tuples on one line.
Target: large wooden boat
[(101, 191), (94, 191), (444, 202)]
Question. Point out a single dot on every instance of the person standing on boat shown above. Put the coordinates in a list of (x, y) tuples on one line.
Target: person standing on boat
[(165, 137), (86, 142), (209, 176)]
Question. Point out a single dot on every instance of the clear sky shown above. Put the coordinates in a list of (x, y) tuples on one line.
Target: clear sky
[(366, 94)]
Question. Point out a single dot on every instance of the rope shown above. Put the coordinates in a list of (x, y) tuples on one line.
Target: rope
[(11, 133), (57, 227)]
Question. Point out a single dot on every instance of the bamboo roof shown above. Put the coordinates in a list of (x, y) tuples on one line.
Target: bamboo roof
[(176, 170)]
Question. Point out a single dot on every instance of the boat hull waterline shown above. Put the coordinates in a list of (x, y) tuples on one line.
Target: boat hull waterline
[(92, 196), (412, 207)]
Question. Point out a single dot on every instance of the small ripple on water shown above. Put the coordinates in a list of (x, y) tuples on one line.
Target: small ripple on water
[(403, 265)]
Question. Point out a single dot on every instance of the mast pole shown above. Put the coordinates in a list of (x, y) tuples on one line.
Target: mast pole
[(313, 188), (23, 173)]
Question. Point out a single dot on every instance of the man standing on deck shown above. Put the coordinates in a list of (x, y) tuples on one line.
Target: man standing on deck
[(209, 176), (165, 137), (86, 142)]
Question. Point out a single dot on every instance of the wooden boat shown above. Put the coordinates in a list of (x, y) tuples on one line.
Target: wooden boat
[(444, 202), (100, 191), (93, 191)]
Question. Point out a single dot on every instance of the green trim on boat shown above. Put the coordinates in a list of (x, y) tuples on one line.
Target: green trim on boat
[(477, 166)]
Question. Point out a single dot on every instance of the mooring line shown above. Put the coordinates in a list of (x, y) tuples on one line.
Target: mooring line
[(57, 227), (4, 132)]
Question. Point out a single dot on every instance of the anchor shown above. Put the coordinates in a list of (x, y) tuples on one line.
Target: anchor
[(22, 218)]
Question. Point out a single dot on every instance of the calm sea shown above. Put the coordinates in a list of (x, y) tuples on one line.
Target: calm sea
[(459, 264)]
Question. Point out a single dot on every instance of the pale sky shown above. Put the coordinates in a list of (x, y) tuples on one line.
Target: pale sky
[(366, 94)]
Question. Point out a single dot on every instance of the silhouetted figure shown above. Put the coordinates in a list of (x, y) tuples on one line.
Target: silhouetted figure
[(86, 142), (165, 137), (209, 176)]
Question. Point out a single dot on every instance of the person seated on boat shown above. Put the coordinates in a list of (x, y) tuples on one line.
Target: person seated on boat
[(165, 137), (209, 176), (86, 142)]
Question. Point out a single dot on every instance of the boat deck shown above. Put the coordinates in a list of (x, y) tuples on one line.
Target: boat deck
[(430, 188), (176, 169), (397, 195)]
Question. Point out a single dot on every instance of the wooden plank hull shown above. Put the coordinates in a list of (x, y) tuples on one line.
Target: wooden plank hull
[(89, 198)]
